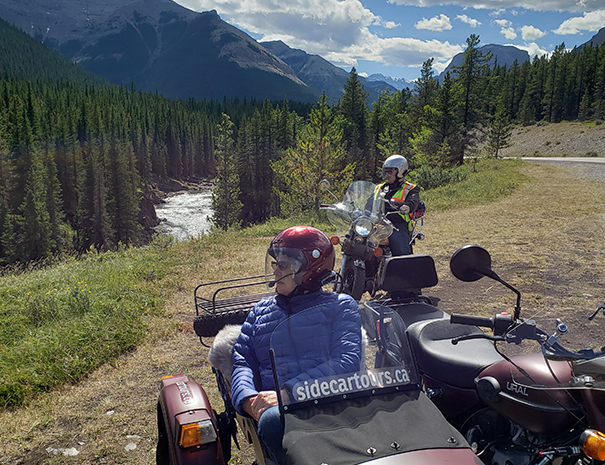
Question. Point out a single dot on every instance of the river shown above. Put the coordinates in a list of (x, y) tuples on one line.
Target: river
[(185, 214)]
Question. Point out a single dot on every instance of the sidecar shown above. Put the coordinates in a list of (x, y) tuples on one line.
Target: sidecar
[(376, 414)]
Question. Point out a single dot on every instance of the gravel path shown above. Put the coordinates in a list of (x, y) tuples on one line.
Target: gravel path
[(591, 168)]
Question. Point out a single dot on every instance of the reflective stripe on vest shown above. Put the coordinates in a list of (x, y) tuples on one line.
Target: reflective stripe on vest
[(399, 196)]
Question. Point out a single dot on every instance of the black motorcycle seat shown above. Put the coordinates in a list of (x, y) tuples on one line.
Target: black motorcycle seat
[(457, 365)]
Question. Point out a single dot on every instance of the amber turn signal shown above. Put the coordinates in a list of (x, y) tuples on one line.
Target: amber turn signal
[(378, 251), (335, 240), (198, 433), (593, 443)]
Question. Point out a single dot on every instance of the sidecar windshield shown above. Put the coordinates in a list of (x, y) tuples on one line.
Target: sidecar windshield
[(312, 365)]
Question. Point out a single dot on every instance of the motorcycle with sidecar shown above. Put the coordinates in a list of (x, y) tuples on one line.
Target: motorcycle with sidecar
[(376, 414), (534, 409)]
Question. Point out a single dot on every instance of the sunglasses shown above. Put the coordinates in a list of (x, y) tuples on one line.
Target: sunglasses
[(282, 265), (390, 170)]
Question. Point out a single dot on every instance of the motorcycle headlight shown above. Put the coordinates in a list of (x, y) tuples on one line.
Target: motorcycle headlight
[(363, 227)]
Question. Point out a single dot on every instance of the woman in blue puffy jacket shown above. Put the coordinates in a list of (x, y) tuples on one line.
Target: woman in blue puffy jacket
[(300, 259)]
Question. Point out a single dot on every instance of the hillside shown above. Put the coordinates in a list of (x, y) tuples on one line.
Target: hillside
[(159, 46), (22, 57), (557, 140)]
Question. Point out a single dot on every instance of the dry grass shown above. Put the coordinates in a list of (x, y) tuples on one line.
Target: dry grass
[(547, 240)]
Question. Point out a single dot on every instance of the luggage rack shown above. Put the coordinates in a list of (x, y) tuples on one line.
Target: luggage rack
[(213, 313)]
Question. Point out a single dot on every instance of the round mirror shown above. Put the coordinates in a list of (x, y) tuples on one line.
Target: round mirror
[(470, 263)]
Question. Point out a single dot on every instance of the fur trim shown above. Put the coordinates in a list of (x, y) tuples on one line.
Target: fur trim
[(220, 355)]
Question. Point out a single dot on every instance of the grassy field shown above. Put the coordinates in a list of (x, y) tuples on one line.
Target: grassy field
[(62, 322)]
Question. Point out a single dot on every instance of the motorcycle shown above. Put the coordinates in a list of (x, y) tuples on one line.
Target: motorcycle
[(539, 408), (365, 244), (375, 414)]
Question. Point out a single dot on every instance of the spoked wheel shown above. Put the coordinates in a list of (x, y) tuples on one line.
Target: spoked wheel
[(354, 280)]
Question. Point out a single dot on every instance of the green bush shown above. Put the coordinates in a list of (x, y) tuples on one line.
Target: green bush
[(432, 177)]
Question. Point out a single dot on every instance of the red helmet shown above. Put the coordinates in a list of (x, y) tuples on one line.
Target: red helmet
[(308, 246)]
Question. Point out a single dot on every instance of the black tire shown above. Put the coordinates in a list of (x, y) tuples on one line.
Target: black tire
[(162, 453), (354, 280), (207, 325)]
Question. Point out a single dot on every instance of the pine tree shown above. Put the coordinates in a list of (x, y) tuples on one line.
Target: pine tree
[(319, 155), (353, 113), (499, 133), (35, 235), (469, 76), (225, 195)]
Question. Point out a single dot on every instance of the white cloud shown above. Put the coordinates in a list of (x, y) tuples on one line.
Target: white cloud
[(503, 22), (531, 33), (395, 51), (508, 32), (592, 21), (579, 6), (497, 12), (328, 24), (533, 49), (470, 21), (506, 28), (435, 24), (338, 30)]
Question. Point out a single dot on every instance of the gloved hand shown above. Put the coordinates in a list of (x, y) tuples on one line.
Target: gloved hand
[(400, 206)]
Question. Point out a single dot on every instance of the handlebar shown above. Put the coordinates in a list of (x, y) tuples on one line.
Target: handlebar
[(499, 323)]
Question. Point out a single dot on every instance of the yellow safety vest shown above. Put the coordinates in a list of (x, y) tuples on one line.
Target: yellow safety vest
[(399, 196)]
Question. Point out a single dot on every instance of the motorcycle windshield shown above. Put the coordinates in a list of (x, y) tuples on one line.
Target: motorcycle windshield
[(312, 366), (360, 202)]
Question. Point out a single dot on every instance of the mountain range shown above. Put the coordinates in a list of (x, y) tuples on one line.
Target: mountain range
[(504, 55), (160, 46)]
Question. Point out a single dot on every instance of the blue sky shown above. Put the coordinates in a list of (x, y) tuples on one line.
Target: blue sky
[(395, 37)]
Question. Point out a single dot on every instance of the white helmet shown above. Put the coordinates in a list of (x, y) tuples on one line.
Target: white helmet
[(396, 161)]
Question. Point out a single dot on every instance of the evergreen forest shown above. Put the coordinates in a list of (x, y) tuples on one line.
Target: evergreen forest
[(79, 158)]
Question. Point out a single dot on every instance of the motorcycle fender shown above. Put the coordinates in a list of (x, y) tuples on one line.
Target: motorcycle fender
[(183, 401)]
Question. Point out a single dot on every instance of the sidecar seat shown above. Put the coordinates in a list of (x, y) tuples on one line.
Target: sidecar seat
[(220, 357)]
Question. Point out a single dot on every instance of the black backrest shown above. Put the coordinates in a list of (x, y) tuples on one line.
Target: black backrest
[(408, 272)]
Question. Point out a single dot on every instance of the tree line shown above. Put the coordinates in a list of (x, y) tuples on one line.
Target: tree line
[(78, 161), (435, 126)]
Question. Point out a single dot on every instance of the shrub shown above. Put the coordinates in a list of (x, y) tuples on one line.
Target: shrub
[(432, 177)]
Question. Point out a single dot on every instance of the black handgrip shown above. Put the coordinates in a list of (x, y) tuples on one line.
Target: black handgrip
[(471, 320), (500, 322)]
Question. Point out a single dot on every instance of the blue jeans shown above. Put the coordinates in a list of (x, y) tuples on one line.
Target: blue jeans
[(399, 241), (270, 433)]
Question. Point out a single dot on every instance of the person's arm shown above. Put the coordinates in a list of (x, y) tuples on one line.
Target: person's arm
[(410, 204), (412, 199), (243, 386)]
